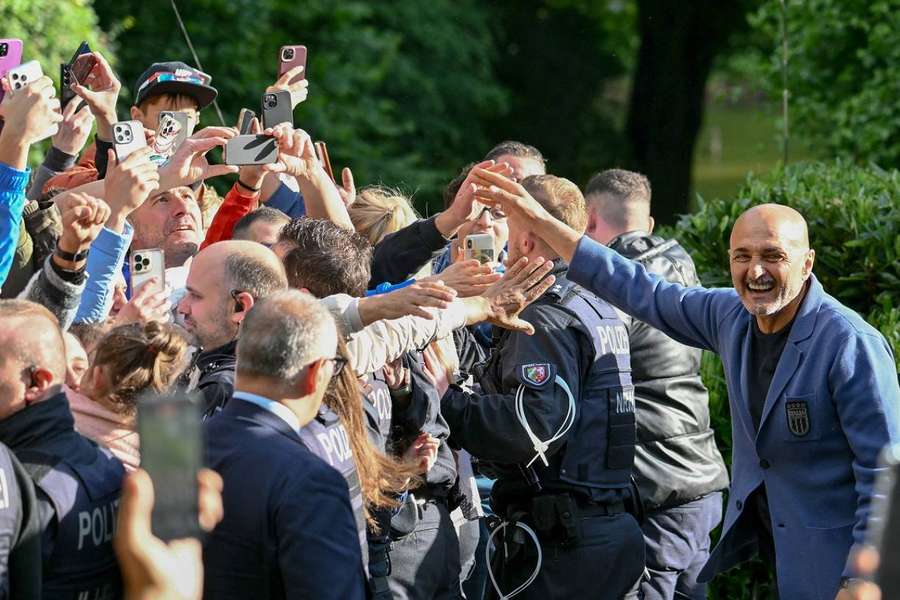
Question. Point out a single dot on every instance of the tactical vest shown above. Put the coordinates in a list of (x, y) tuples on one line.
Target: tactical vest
[(378, 409), (605, 422), (326, 437), (85, 500)]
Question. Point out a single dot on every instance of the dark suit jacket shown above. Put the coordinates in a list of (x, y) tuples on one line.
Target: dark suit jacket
[(288, 530)]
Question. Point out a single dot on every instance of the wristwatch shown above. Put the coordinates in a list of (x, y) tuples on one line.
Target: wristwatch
[(68, 256)]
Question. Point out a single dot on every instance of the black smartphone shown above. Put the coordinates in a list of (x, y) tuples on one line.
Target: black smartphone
[(883, 530), (171, 437), (277, 109)]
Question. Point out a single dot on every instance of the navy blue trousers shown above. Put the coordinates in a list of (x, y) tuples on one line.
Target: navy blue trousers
[(677, 546)]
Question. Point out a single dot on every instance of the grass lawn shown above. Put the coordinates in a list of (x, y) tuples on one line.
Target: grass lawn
[(737, 140)]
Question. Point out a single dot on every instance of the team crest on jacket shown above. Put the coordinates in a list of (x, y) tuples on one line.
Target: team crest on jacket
[(536, 373), (797, 417)]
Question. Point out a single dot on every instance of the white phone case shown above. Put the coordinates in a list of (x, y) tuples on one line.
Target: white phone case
[(24, 75), (128, 136), (145, 264)]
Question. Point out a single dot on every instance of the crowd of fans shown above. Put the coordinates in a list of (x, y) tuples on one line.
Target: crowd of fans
[(334, 339)]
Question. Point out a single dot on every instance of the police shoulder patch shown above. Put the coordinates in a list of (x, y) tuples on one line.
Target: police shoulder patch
[(537, 375)]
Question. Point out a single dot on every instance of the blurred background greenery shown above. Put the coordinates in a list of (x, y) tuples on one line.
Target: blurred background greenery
[(689, 93)]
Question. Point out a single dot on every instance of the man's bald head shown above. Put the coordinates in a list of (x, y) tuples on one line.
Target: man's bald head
[(225, 280), (32, 354), (770, 263)]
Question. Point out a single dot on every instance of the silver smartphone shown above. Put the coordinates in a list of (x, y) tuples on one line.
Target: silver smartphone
[(480, 246), (146, 264), (128, 136)]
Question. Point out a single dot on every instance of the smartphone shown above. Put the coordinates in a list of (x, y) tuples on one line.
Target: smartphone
[(24, 75), (883, 530), (128, 136), (172, 130), (253, 149), (10, 57), (322, 155), (480, 246), (290, 57), (245, 120), (171, 434), (276, 109), (145, 264)]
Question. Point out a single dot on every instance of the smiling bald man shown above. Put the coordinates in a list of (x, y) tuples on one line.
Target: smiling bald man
[(812, 387)]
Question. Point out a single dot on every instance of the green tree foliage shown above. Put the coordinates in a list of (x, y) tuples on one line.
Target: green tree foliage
[(399, 90), (855, 229), (844, 74)]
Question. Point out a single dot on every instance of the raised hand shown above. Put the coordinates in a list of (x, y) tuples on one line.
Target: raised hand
[(467, 277), (128, 184), (29, 115), (523, 283), (74, 128), (100, 90), (348, 189), (411, 300), (146, 305), (299, 89), (83, 217), (189, 165)]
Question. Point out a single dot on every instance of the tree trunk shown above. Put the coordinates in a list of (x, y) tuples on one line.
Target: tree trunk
[(679, 43)]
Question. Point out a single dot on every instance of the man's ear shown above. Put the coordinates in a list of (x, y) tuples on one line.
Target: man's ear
[(41, 381)]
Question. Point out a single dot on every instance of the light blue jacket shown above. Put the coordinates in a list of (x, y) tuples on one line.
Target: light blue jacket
[(12, 202), (833, 404)]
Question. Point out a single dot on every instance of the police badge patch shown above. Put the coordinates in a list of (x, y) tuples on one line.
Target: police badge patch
[(536, 373), (797, 417)]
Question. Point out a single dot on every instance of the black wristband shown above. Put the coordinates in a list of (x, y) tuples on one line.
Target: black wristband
[(247, 187), (68, 256)]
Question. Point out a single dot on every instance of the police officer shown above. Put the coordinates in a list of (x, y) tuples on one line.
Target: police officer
[(20, 535), (554, 424), (77, 483), (678, 468)]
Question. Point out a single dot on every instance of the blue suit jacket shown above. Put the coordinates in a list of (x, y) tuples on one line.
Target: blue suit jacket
[(288, 530), (833, 404)]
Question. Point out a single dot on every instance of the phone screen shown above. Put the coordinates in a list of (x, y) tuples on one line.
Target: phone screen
[(172, 452)]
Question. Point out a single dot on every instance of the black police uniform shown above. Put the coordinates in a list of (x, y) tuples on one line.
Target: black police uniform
[(78, 485), (20, 533), (677, 466), (576, 503)]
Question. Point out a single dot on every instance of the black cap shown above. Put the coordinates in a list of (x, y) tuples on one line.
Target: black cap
[(174, 78)]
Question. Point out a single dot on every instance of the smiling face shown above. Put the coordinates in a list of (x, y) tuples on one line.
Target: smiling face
[(171, 221), (770, 263)]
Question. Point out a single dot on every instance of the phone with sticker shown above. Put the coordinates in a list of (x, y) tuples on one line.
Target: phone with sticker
[(10, 57), (128, 136), (173, 129)]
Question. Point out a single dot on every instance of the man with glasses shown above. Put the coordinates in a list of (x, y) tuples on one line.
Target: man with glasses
[(288, 530), (224, 282)]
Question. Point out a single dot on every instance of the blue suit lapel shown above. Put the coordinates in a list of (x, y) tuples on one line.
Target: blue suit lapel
[(803, 326)]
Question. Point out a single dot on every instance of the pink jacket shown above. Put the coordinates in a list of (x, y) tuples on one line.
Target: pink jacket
[(107, 428)]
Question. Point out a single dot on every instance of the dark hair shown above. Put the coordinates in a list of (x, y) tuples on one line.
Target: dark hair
[(136, 358), (251, 274), (513, 148), (326, 259), (453, 187), (264, 214), (619, 196)]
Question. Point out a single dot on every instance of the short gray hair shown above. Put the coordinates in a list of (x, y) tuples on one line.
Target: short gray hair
[(282, 333)]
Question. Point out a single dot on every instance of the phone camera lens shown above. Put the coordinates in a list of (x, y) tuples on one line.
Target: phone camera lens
[(288, 54)]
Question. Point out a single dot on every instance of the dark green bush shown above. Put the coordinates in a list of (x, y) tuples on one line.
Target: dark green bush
[(854, 226)]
